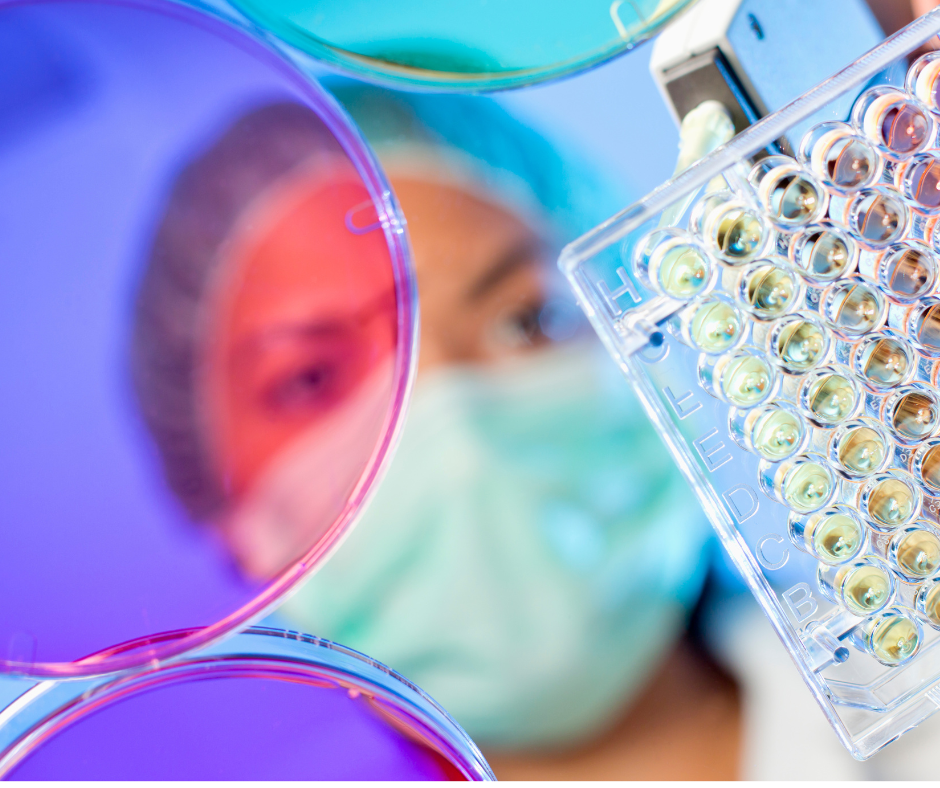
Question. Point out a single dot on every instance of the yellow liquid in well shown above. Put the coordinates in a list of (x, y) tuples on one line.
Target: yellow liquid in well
[(801, 345), (887, 362), (794, 199), (918, 554), (770, 291), (894, 639), (776, 434), (856, 310), (807, 487), (683, 271), (932, 605), (865, 590), (739, 235), (891, 502), (862, 451), (930, 468), (915, 416), (825, 256), (832, 398), (746, 381), (836, 537), (715, 327)]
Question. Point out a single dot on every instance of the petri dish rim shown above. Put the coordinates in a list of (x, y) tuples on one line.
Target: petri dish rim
[(303, 45), (159, 647), (261, 653)]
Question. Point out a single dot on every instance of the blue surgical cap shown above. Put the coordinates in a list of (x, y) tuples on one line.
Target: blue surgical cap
[(477, 136)]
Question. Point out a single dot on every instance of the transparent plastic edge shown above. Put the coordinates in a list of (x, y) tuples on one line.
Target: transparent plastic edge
[(727, 533), (307, 50), (49, 706), (133, 654), (759, 136)]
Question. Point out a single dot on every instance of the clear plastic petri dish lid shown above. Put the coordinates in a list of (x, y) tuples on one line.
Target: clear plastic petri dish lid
[(265, 705), (462, 44), (208, 314)]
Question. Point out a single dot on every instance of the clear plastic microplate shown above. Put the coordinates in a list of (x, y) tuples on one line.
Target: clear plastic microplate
[(775, 307)]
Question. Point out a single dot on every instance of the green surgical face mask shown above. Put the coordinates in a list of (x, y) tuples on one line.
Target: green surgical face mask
[(530, 556)]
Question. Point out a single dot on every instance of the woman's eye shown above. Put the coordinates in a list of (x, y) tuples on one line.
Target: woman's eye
[(519, 328), (307, 388)]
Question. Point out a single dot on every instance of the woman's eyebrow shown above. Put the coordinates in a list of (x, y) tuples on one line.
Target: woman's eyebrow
[(524, 253)]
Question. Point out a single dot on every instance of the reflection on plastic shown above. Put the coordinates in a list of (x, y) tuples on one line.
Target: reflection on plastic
[(264, 705), (263, 356), (463, 44), (235, 729)]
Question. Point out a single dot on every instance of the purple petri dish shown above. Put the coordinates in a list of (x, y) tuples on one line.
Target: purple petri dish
[(264, 706), (209, 318)]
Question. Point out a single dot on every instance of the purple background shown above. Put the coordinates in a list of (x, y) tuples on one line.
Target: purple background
[(100, 105)]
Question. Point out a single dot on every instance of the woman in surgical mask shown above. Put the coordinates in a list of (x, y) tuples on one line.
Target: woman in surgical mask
[(532, 555)]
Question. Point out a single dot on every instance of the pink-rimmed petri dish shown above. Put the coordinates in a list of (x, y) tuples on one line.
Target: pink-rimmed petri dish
[(265, 705), (209, 322)]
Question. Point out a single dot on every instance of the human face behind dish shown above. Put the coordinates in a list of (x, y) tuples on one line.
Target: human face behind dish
[(296, 392), (507, 562), (481, 271), (301, 333)]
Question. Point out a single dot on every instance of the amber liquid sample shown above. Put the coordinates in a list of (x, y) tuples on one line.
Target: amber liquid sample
[(862, 451), (917, 553), (915, 416), (855, 308), (834, 538), (894, 639), (770, 291), (865, 589), (929, 470), (801, 345), (892, 502), (739, 235), (886, 362), (825, 256), (926, 328), (832, 398)]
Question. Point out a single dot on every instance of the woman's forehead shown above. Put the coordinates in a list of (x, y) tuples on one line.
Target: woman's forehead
[(448, 211), (459, 236), (303, 249)]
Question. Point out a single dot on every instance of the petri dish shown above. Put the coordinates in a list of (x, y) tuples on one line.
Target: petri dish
[(212, 298), (463, 44), (265, 706)]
